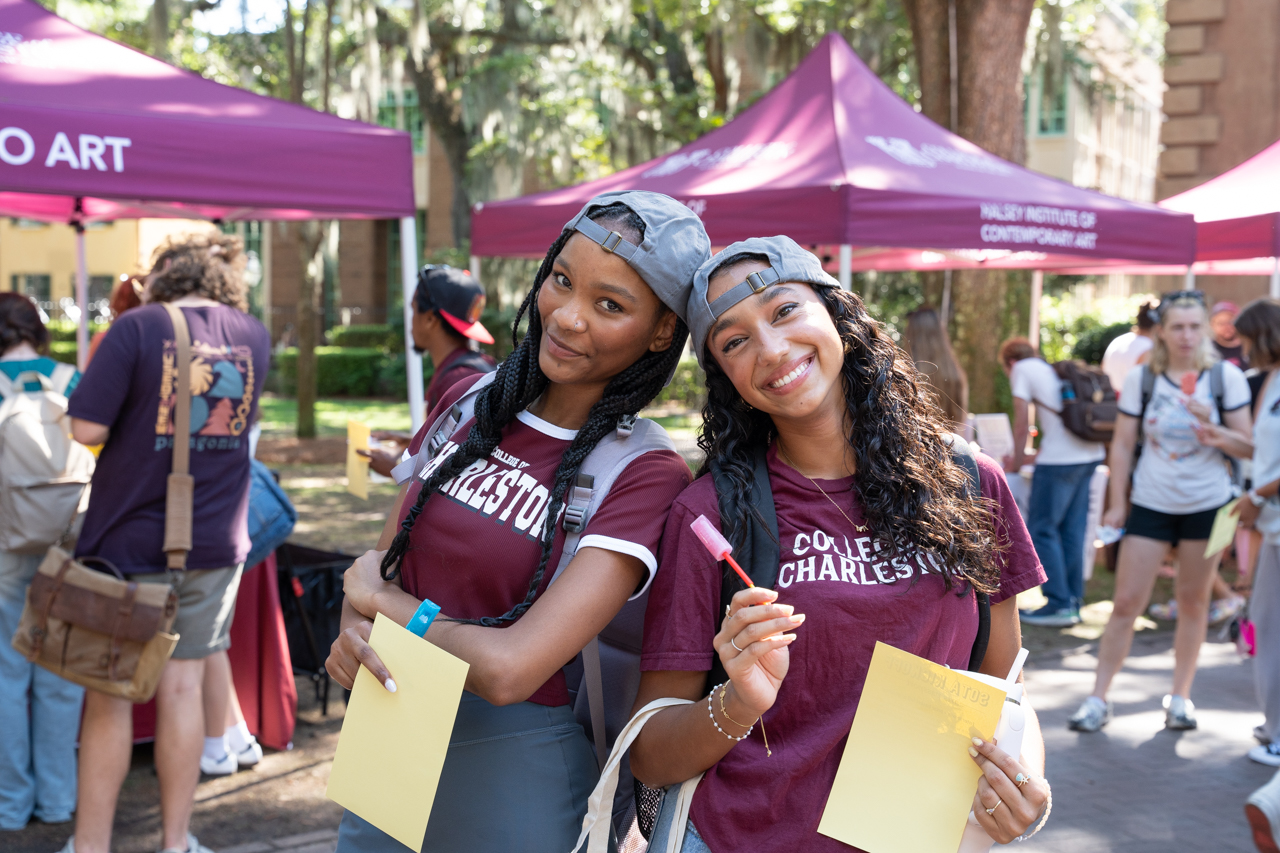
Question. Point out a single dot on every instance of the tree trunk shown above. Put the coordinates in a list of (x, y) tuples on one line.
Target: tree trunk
[(328, 55), (310, 236), (300, 82), (290, 49), (160, 29), (990, 37)]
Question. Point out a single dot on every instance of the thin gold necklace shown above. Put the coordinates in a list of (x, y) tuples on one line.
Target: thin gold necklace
[(786, 458)]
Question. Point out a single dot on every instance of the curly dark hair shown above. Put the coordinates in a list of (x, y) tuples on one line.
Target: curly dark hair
[(912, 489), (519, 381), (208, 265), (20, 321)]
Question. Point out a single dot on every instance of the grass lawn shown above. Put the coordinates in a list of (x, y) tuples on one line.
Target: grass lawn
[(280, 415)]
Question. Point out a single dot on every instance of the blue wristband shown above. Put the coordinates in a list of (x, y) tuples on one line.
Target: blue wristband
[(423, 617)]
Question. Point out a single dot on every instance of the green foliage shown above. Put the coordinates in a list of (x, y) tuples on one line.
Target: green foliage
[(381, 336), (1066, 319), (279, 415), (63, 351), (1092, 344), (344, 372), (62, 329), (687, 389)]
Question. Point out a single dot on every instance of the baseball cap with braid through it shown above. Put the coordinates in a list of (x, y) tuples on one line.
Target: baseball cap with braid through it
[(675, 243), (788, 261)]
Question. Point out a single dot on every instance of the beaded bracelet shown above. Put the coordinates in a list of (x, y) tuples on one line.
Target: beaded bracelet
[(1048, 809), (711, 714)]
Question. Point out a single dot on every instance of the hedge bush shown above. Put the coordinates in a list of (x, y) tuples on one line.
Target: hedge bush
[(1091, 345), (372, 336), (345, 372), (688, 388), (63, 351)]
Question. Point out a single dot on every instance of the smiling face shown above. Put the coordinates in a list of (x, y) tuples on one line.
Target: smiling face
[(598, 316), (779, 347)]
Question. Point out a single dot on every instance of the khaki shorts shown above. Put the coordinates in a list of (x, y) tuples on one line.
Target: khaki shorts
[(206, 606)]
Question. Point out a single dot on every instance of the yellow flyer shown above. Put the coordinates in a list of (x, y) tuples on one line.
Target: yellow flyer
[(392, 747), (357, 465), (906, 781), (1224, 529)]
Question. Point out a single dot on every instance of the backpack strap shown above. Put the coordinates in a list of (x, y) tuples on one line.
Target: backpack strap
[(966, 456), (760, 550), (596, 476), (180, 486), (6, 386), (474, 360), (61, 377), (1148, 388), (441, 430), (1218, 390)]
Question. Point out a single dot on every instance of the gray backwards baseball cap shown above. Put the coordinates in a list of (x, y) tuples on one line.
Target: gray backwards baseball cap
[(675, 243), (788, 261)]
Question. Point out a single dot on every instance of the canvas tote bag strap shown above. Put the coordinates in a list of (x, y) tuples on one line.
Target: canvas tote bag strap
[(598, 820), (180, 489)]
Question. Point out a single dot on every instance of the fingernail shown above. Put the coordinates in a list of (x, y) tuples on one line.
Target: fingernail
[(390, 685), (973, 752), (977, 741), (787, 609), (797, 618)]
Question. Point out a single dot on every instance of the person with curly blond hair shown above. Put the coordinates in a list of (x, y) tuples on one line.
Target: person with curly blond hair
[(127, 403)]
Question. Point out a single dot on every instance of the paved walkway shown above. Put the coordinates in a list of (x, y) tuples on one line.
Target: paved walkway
[(1135, 787)]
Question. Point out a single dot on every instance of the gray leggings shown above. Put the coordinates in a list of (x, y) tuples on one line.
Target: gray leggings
[(1264, 610), (516, 780)]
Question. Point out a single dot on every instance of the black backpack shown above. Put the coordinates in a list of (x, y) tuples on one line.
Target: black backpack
[(1089, 403), (760, 551)]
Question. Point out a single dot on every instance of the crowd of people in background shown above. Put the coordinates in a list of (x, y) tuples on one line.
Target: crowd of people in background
[(609, 313)]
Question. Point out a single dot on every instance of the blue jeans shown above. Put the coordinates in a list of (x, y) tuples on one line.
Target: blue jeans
[(39, 717), (1057, 511)]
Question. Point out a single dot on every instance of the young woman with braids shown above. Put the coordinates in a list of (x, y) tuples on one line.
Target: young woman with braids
[(878, 542), (481, 537)]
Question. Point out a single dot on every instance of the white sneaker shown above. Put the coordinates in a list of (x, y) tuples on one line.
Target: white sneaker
[(193, 846), (70, 846), (1092, 715), (1262, 810), (1269, 754), (224, 766), (250, 755), (1179, 713)]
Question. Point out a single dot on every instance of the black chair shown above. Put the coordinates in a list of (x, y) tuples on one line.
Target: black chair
[(312, 580)]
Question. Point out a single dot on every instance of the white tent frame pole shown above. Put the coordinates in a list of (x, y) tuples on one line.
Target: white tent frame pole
[(846, 267), (475, 267), (1037, 290), (1275, 277), (409, 277), (1190, 281), (82, 300)]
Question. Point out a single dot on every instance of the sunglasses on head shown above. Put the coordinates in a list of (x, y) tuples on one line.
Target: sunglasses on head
[(1169, 298)]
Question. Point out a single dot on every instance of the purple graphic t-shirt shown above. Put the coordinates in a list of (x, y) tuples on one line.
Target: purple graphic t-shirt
[(129, 386)]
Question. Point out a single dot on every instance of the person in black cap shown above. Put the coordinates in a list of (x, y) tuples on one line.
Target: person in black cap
[(446, 318)]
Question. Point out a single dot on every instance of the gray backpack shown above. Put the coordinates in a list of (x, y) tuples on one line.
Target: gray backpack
[(44, 472), (605, 678)]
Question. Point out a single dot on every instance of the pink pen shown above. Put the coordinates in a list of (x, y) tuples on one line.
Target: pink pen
[(717, 545)]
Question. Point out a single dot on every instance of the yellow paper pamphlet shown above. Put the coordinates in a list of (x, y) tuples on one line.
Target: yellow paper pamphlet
[(1224, 529), (392, 747), (357, 465), (906, 781)]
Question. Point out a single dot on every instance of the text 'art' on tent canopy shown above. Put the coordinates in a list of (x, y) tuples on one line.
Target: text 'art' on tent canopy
[(831, 156)]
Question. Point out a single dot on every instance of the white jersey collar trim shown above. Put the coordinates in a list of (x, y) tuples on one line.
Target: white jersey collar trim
[(546, 427)]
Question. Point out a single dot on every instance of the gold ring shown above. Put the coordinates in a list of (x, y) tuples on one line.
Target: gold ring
[(735, 645), (991, 810)]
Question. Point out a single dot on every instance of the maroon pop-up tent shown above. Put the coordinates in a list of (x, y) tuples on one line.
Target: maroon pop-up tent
[(93, 130), (833, 156)]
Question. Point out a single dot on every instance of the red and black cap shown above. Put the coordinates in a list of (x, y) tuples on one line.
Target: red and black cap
[(456, 295)]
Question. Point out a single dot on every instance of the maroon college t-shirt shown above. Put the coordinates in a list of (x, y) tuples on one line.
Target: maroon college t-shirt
[(477, 544), (852, 594)]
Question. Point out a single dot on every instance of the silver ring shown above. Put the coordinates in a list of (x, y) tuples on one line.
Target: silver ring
[(735, 645)]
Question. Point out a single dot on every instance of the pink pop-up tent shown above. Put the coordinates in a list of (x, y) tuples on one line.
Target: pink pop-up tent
[(833, 156), (1237, 223), (93, 130)]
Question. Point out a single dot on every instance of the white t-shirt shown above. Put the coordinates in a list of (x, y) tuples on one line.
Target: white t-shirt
[(1122, 356), (1035, 381), (1266, 456), (1176, 473)]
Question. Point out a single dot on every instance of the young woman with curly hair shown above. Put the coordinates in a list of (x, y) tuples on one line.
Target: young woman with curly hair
[(481, 537), (878, 543)]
